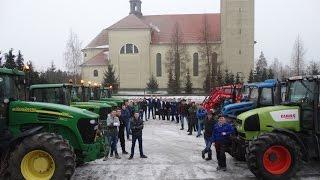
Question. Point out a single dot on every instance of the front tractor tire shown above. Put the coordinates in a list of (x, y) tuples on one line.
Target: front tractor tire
[(273, 156), (42, 156)]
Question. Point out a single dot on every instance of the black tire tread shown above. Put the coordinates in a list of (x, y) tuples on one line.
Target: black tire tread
[(55, 145), (257, 148)]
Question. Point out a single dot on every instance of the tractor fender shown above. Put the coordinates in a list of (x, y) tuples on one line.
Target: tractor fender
[(295, 137), (24, 134)]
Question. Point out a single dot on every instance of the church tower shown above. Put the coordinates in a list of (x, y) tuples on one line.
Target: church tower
[(135, 7), (237, 35)]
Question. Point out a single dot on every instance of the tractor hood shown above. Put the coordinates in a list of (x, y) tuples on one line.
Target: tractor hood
[(57, 110), (91, 104), (267, 118), (237, 108)]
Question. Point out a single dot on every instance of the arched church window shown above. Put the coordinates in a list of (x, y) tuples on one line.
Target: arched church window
[(95, 73), (129, 49), (158, 65), (195, 64)]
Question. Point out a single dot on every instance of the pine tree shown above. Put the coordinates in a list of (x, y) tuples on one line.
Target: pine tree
[(152, 85), (220, 77), (188, 85), (251, 77), (264, 75), (270, 74), (110, 79), (20, 61), (10, 64), (313, 68)]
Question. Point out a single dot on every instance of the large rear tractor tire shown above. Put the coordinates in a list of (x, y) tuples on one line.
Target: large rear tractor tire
[(273, 156), (42, 156)]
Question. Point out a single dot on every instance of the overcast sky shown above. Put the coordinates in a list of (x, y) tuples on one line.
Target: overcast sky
[(40, 28)]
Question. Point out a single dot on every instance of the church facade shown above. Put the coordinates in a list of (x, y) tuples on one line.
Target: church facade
[(137, 46)]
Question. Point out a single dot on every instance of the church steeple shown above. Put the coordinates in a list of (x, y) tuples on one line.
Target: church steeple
[(135, 7)]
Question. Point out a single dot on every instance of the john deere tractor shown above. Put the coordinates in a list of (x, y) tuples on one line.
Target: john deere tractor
[(103, 95), (42, 140), (276, 139), (70, 95)]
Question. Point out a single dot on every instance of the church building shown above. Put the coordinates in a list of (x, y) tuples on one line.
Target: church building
[(137, 46)]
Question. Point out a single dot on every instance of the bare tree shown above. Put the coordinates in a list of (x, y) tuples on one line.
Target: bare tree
[(72, 55), (177, 56), (313, 68), (297, 60), (207, 52)]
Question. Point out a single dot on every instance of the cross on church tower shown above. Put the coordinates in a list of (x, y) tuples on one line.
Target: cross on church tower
[(135, 7)]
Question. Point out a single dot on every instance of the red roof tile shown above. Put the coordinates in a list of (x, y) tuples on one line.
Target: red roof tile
[(190, 26), (100, 40), (129, 22), (100, 59)]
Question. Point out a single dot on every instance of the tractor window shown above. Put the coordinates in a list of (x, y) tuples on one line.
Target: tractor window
[(254, 94), (51, 95), (301, 91), (8, 88), (266, 97)]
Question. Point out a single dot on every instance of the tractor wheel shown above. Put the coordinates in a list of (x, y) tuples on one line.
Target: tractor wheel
[(42, 156), (273, 156)]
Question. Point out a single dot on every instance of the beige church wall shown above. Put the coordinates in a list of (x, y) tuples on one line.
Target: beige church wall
[(237, 31), (87, 73), (191, 49), (91, 52), (132, 69)]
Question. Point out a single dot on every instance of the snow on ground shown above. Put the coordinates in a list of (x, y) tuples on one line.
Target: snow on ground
[(173, 155)]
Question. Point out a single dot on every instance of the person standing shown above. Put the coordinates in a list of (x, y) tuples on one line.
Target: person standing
[(150, 107), (154, 107), (221, 137), (192, 117), (167, 109), (136, 129), (121, 132), (183, 113), (143, 105), (125, 114), (162, 110), (201, 115), (173, 111), (104, 129), (112, 130), (159, 108), (208, 123)]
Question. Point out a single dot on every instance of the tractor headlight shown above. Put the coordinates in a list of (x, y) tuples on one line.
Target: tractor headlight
[(92, 121)]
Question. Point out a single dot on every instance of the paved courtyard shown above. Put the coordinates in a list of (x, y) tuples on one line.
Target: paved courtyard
[(172, 155)]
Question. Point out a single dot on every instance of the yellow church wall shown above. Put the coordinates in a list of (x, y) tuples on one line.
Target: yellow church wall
[(87, 73)]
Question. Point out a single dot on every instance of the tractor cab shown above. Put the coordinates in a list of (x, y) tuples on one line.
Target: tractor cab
[(304, 92), (51, 93), (256, 95)]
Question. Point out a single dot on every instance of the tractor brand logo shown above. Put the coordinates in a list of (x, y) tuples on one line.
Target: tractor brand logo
[(285, 115), (34, 110), (288, 116)]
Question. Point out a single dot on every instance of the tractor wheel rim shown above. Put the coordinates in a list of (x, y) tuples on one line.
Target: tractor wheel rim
[(37, 164), (277, 160)]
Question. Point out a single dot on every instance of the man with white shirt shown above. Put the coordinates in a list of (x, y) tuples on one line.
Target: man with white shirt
[(112, 132)]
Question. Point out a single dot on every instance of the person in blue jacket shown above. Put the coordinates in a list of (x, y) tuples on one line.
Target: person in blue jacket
[(201, 115), (221, 137)]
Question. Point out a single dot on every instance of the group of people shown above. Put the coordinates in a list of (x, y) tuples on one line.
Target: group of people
[(114, 127), (131, 116)]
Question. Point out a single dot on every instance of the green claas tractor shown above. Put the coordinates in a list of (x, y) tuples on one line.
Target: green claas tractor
[(42, 140), (278, 138)]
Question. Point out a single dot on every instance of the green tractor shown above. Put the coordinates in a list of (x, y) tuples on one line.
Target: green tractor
[(276, 139), (42, 140), (70, 95), (103, 94)]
